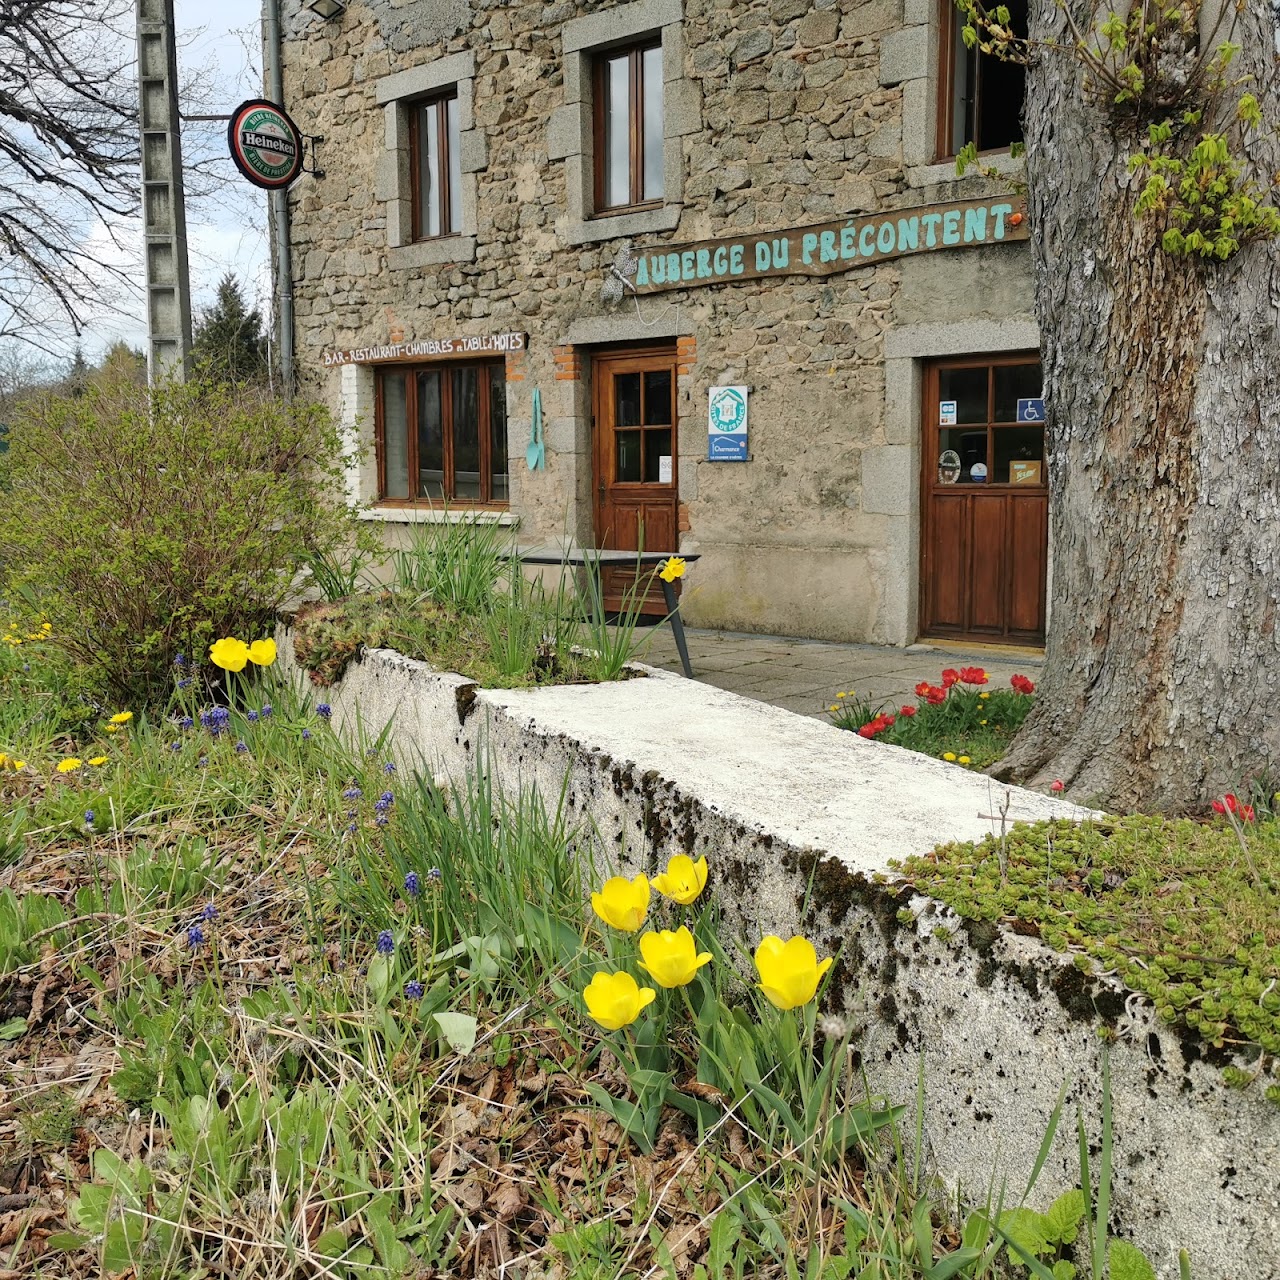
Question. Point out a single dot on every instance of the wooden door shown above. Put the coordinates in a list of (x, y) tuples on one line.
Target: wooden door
[(634, 460), (984, 544)]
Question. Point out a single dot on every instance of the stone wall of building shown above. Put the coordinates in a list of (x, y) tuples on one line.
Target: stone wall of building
[(780, 113)]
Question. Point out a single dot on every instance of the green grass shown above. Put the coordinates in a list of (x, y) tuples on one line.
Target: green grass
[(1185, 912), (213, 1069)]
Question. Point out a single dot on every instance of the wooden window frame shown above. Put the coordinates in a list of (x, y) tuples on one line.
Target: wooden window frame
[(948, 19), (438, 104), (932, 397), (484, 412), (635, 125)]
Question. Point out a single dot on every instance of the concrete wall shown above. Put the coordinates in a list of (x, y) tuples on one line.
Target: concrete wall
[(779, 113), (778, 802)]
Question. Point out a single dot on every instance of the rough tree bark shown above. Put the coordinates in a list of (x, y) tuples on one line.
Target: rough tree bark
[(1161, 685)]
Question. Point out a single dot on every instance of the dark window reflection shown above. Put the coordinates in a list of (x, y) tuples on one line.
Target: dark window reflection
[(626, 390), (466, 433), (628, 457), (498, 432)]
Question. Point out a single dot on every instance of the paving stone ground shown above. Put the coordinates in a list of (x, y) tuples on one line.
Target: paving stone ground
[(805, 675)]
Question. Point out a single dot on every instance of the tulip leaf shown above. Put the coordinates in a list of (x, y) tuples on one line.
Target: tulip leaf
[(458, 1029)]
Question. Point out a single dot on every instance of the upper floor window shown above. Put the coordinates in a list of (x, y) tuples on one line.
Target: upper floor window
[(435, 166), (982, 95), (629, 127)]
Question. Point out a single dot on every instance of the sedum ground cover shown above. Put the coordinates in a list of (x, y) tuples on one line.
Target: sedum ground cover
[(271, 1008)]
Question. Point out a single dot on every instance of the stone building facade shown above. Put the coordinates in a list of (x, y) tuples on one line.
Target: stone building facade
[(437, 291)]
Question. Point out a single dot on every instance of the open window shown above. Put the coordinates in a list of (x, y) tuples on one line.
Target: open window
[(981, 96)]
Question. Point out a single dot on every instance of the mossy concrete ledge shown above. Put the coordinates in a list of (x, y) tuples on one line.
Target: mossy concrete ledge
[(799, 822)]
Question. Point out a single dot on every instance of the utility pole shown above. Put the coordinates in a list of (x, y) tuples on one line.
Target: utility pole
[(163, 204)]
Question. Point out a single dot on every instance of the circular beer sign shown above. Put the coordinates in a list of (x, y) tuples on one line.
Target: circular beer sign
[(265, 144)]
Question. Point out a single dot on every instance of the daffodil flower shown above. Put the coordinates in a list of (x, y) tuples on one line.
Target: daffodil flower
[(683, 880), (672, 569), (670, 958), (614, 1000), (229, 654), (622, 903), (789, 971)]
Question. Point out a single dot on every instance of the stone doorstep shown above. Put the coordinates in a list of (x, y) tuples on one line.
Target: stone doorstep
[(800, 821)]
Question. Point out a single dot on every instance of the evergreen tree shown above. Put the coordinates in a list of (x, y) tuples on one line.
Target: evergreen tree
[(229, 342), (78, 374)]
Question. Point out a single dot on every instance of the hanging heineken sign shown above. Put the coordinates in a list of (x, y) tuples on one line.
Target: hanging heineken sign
[(265, 144)]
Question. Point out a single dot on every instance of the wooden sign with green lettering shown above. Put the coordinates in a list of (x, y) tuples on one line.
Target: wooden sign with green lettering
[(831, 247)]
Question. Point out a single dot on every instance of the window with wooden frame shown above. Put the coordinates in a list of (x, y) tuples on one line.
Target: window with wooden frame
[(441, 433), (628, 128), (989, 423), (435, 166), (981, 96)]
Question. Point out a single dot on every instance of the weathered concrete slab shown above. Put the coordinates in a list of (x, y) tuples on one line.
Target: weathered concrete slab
[(799, 822)]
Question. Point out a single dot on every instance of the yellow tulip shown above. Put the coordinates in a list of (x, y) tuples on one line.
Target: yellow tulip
[(672, 569), (671, 959), (70, 764), (614, 1000), (262, 652), (229, 654), (683, 880), (122, 717), (622, 903), (789, 971)]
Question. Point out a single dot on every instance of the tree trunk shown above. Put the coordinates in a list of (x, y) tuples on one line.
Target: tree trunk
[(1161, 685)]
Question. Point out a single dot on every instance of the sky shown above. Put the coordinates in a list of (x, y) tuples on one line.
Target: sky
[(219, 47)]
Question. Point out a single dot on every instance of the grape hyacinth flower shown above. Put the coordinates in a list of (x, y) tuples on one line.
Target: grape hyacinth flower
[(186, 723), (352, 793), (324, 710), (413, 989), (385, 800), (195, 936), (251, 716), (412, 885), (386, 943), (209, 912), (242, 745), (175, 746), (266, 710), (203, 762), (380, 819), (434, 874), (88, 817), (306, 735), (179, 660), (389, 767)]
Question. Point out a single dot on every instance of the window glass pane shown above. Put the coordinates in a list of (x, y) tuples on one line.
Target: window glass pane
[(455, 166), (652, 123), (657, 445), (1019, 456), (628, 462), (617, 131), (963, 81), (430, 437), (466, 432), (1015, 382), (971, 446), (395, 436), (429, 169), (498, 432), (626, 393), (657, 398), (968, 388)]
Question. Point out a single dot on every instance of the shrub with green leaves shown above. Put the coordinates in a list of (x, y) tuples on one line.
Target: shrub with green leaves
[(151, 522)]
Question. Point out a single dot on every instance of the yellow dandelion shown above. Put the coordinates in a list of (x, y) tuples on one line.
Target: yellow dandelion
[(98, 760), (70, 764), (982, 722), (112, 728), (122, 717), (842, 694), (949, 755), (965, 760), (984, 696)]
